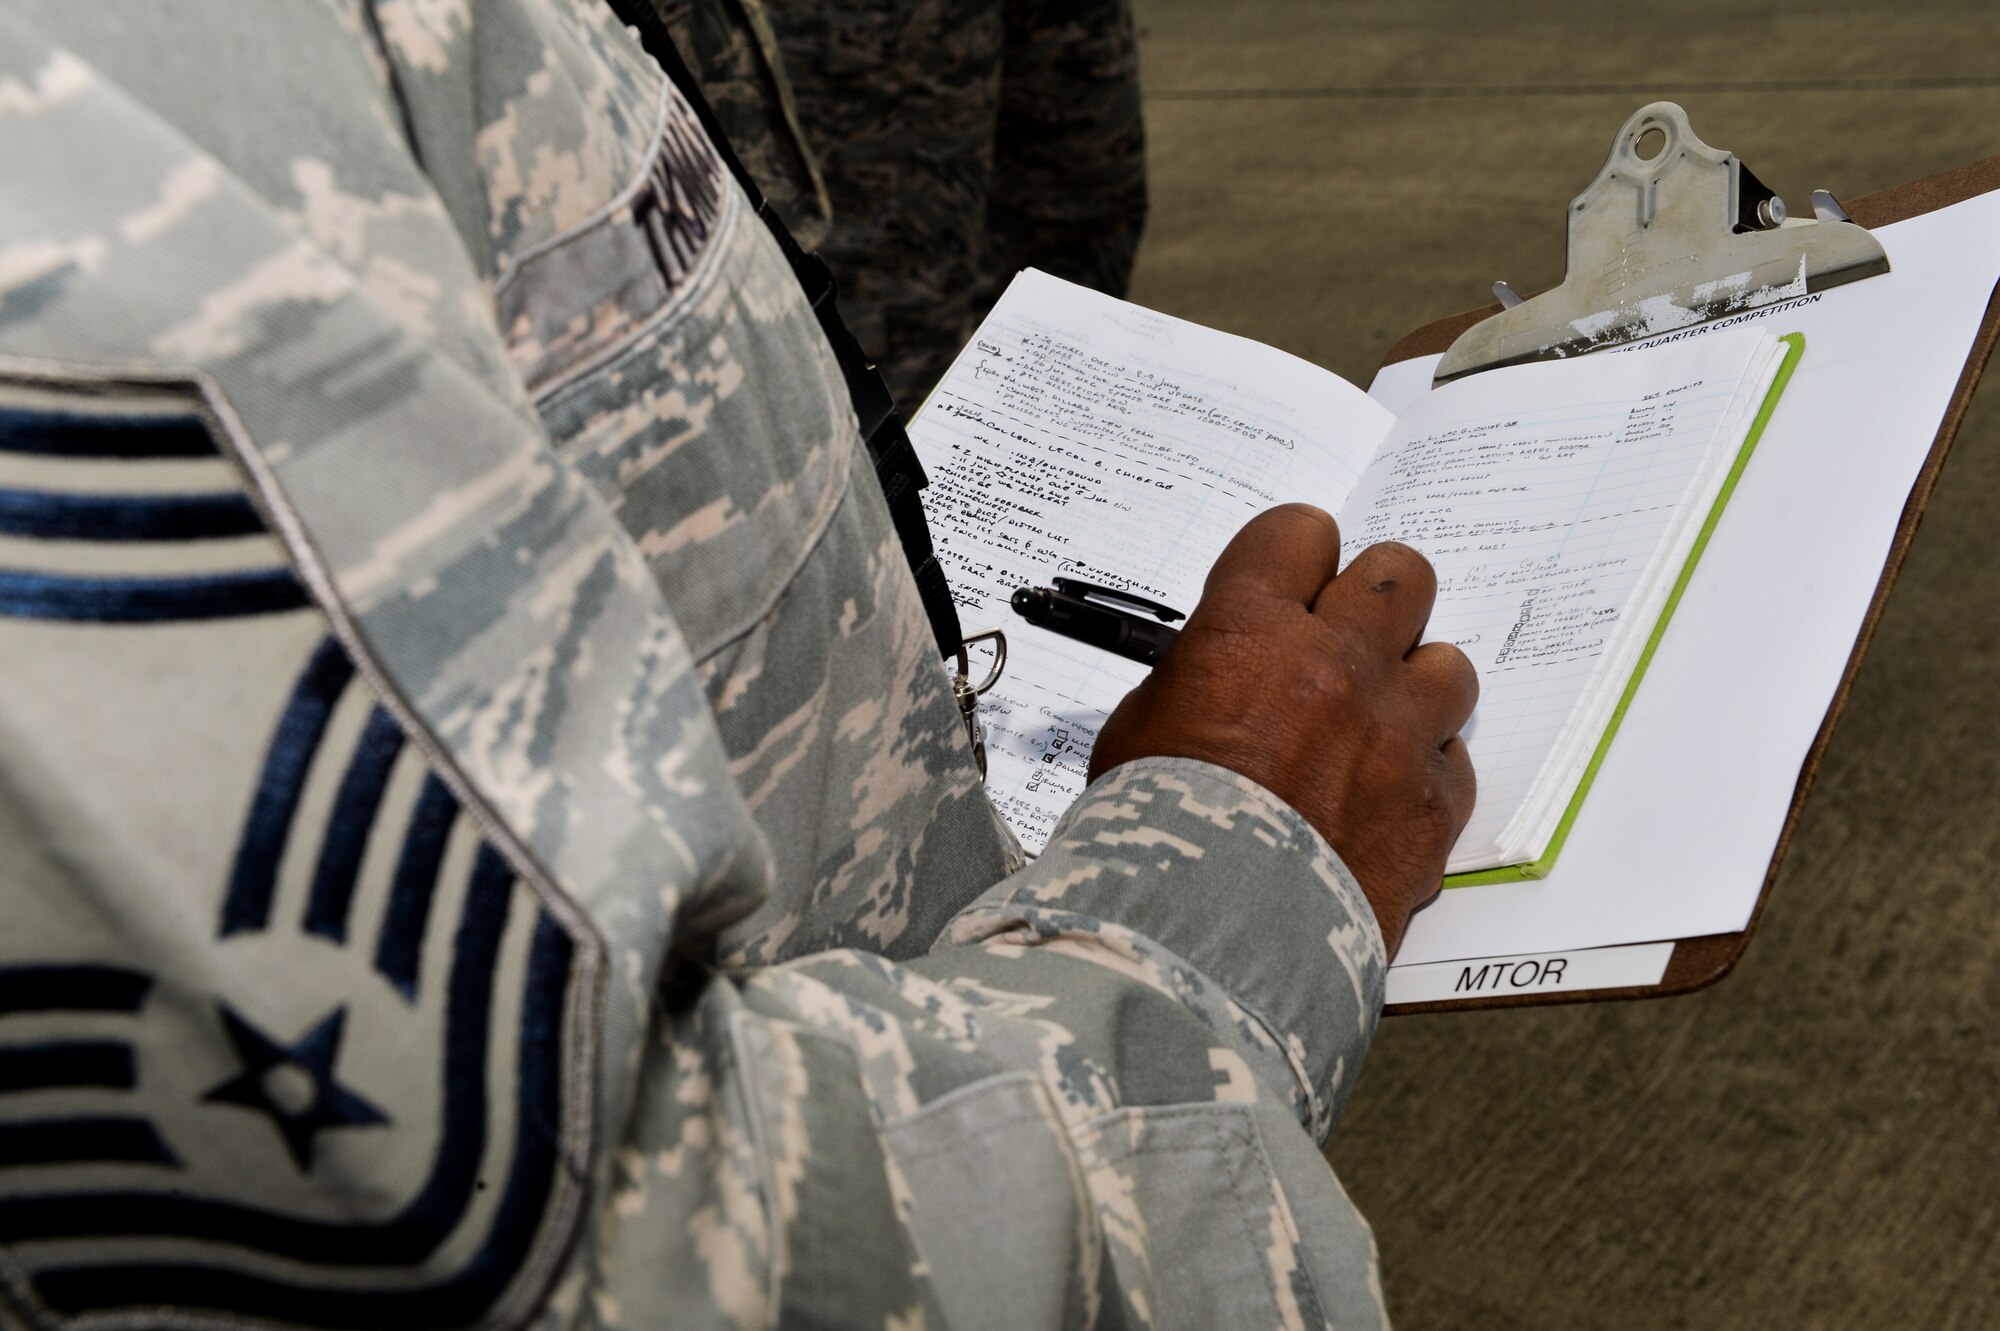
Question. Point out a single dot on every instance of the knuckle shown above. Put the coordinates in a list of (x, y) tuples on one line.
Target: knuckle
[(1321, 681), (1442, 809), (1462, 778), (1467, 675), (1458, 667), (1446, 670)]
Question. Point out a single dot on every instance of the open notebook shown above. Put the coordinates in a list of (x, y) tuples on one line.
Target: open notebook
[(1562, 503)]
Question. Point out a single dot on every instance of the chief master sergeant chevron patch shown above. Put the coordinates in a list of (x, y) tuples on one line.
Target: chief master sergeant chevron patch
[(232, 1127)]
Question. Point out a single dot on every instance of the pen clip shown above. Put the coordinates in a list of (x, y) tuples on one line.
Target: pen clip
[(1085, 591)]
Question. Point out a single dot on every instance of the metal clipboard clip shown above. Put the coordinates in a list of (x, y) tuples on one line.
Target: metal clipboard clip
[(1671, 233)]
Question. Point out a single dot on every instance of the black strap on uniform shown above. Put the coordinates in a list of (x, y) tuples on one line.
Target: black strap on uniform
[(897, 470)]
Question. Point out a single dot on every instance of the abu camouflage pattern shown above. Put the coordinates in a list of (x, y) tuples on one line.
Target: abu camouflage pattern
[(730, 48), (955, 142), (1070, 1122), (487, 836)]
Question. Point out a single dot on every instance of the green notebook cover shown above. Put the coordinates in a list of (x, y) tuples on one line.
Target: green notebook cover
[(1514, 873)]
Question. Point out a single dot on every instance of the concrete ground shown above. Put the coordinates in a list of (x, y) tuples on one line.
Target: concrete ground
[(1815, 1142)]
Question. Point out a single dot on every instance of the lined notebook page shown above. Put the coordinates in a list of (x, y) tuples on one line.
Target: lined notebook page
[(1557, 502), (1082, 436)]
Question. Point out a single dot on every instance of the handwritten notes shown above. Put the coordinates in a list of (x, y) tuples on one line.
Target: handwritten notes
[(1082, 436), (1558, 503)]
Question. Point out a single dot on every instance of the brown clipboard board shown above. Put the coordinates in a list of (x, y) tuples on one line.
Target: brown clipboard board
[(1699, 962)]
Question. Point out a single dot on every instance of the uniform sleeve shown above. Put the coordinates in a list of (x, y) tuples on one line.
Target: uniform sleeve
[(1240, 909), (1094, 1103)]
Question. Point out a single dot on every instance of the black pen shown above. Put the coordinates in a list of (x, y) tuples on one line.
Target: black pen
[(1099, 616)]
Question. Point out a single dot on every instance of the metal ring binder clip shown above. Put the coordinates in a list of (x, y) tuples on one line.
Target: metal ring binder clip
[(966, 694)]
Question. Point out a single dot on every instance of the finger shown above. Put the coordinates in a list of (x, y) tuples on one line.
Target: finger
[(1461, 782), (1457, 790), (1420, 907), (1389, 588), (1448, 684), (1290, 551)]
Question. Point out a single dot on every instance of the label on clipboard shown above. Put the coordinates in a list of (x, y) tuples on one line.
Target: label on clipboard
[(1539, 973)]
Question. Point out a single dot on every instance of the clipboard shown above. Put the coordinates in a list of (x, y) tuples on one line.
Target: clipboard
[(1698, 962)]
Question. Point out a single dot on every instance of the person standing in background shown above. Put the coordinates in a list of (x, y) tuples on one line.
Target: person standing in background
[(931, 149)]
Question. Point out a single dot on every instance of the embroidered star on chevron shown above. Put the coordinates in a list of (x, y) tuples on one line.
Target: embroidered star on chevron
[(294, 1084)]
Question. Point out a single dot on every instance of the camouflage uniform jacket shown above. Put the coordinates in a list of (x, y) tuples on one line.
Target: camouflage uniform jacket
[(484, 837)]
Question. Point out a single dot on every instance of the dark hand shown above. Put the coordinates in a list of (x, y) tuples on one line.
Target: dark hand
[(1314, 687)]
